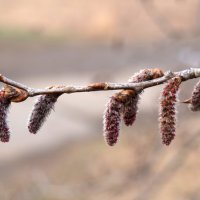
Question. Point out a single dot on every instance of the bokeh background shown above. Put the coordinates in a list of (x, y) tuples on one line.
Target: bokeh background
[(56, 42)]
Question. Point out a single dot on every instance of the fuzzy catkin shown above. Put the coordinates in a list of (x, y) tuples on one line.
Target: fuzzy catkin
[(130, 106), (4, 128), (167, 118), (130, 109), (41, 110), (142, 75), (111, 122), (195, 100)]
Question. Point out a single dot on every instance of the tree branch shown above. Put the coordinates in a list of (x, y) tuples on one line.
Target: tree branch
[(123, 104), (185, 75)]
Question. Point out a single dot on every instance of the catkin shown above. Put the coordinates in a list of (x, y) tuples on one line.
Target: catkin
[(4, 128), (111, 121), (41, 110), (167, 118), (130, 106), (195, 100)]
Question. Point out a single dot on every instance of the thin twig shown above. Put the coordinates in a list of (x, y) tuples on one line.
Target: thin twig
[(185, 75)]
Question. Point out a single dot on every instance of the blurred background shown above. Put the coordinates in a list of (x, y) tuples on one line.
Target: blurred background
[(52, 42)]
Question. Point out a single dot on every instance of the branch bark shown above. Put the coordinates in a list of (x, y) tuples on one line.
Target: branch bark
[(185, 75)]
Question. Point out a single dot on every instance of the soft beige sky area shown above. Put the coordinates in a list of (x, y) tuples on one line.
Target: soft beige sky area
[(137, 21)]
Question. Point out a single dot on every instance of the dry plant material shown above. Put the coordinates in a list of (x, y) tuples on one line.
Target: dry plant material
[(168, 111)]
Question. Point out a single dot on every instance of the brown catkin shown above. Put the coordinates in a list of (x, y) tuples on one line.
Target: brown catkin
[(146, 75), (111, 121), (167, 118), (130, 106), (130, 109), (41, 110), (4, 108), (195, 100)]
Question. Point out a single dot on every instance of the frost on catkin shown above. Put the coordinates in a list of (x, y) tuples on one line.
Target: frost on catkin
[(4, 128), (41, 110), (167, 118), (195, 100), (111, 121)]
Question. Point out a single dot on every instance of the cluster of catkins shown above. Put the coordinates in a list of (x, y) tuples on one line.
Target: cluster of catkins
[(124, 105), (42, 108), (121, 106)]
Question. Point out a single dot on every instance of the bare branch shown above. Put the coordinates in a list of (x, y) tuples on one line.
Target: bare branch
[(185, 75), (124, 102), (8, 81)]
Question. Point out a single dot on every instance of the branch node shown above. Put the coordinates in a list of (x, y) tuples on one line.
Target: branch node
[(98, 86)]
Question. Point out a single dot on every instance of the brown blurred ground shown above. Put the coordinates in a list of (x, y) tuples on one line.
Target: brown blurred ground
[(82, 41)]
